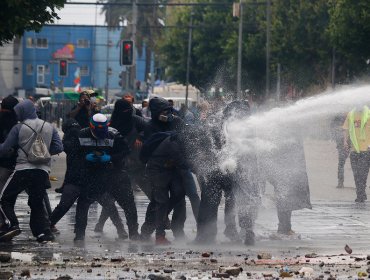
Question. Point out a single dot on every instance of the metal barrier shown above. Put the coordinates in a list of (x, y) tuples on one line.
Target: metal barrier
[(55, 111)]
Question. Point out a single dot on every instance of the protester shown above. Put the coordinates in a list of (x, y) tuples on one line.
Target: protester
[(31, 171), (165, 161), (73, 181), (163, 121), (84, 109), (130, 127), (357, 141), (145, 110), (128, 97), (102, 152)]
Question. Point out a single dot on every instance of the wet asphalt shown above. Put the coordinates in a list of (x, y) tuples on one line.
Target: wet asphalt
[(334, 221)]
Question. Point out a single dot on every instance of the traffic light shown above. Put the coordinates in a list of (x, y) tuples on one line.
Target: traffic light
[(127, 53), (63, 68)]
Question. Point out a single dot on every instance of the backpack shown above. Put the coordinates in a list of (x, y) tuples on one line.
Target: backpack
[(38, 152), (151, 144)]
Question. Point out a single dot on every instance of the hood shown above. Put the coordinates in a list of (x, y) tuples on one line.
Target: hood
[(25, 110), (122, 117), (157, 105), (9, 103)]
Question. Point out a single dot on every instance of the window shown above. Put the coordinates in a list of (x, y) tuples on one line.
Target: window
[(30, 42), (84, 70), (29, 69), (42, 43), (83, 43), (40, 74)]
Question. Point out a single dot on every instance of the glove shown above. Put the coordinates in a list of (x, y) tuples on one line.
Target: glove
[(105, 158), (92, 157)]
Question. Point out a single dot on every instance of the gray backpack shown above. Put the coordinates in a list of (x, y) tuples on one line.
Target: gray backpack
[(38, 152)]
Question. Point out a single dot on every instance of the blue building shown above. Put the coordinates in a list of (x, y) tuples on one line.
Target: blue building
[(64, 56)]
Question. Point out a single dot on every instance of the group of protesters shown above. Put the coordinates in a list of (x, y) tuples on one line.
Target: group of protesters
[(164, 152)]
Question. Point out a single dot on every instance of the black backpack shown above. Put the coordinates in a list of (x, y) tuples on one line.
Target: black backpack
[(152, 143)]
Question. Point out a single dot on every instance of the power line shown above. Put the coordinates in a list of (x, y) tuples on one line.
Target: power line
[(162, 4)]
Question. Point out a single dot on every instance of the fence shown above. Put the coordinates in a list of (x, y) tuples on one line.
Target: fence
[(55, 111)]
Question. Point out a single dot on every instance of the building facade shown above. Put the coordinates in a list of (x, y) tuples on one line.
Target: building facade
[(65, 57)]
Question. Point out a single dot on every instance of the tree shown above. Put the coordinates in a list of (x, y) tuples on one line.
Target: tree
[(349, 30), (148, 26), (20, 16)]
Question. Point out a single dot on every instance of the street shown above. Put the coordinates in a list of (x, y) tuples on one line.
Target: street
[(334, 221)]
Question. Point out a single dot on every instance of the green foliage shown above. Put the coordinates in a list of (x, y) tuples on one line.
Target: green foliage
[(18, 16), (304, 36), (349, 30)]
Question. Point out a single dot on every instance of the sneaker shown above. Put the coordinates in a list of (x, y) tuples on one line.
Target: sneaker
[(340, 185), (54, 229), (360, 200), (249, 239), (286, 232), (162, 241), (8, 234), (122, 234), (135, 236), (99, 228), (45, 237)]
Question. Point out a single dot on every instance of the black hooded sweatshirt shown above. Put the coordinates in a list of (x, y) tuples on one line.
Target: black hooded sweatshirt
[(156, 106), (8, 119)]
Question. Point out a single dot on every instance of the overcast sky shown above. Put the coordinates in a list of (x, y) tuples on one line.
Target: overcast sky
[(81, 14)]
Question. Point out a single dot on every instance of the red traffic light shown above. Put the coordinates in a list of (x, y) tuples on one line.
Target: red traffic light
[(127, 53), (63, 68)]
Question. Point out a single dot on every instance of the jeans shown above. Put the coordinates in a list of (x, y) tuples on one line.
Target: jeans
[(360, 163)]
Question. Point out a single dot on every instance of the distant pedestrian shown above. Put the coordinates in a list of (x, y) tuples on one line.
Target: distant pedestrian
[(357, 142), (337, 135)]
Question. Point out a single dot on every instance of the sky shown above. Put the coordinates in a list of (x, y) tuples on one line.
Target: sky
[(81, 14)]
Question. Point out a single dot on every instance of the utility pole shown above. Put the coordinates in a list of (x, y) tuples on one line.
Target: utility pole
[(333, 62), (278, 83), (268, 39), (188, 58), (240, 41), (107, 57), (132, 68)]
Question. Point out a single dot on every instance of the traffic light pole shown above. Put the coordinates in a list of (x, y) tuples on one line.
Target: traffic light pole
[(188, 58), (240, 41)]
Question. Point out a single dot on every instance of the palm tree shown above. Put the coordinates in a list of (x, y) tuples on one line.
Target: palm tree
[(148, 27)]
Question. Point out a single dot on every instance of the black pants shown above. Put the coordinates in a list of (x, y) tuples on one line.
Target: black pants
[(69, 196), (122, 192), (167, 193), (342, 157), (360, 163), (211, 188), (32, 180)]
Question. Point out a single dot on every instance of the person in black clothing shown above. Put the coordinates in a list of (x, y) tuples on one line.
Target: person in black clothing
[(163, 169), (73, 182), (240, 185), (131, 128), (129, 98), (8, 119), (102, 152), (84, 109), (163, 120)]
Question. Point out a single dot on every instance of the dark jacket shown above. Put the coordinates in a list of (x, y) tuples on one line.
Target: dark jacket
[(168, 156), (97, 175), (71, 144), (8, 119)]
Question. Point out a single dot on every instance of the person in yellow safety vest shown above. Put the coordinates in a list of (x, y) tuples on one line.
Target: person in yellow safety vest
[(357, 134)]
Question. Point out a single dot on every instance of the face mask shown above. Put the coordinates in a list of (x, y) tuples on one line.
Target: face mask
[(166, 117)]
